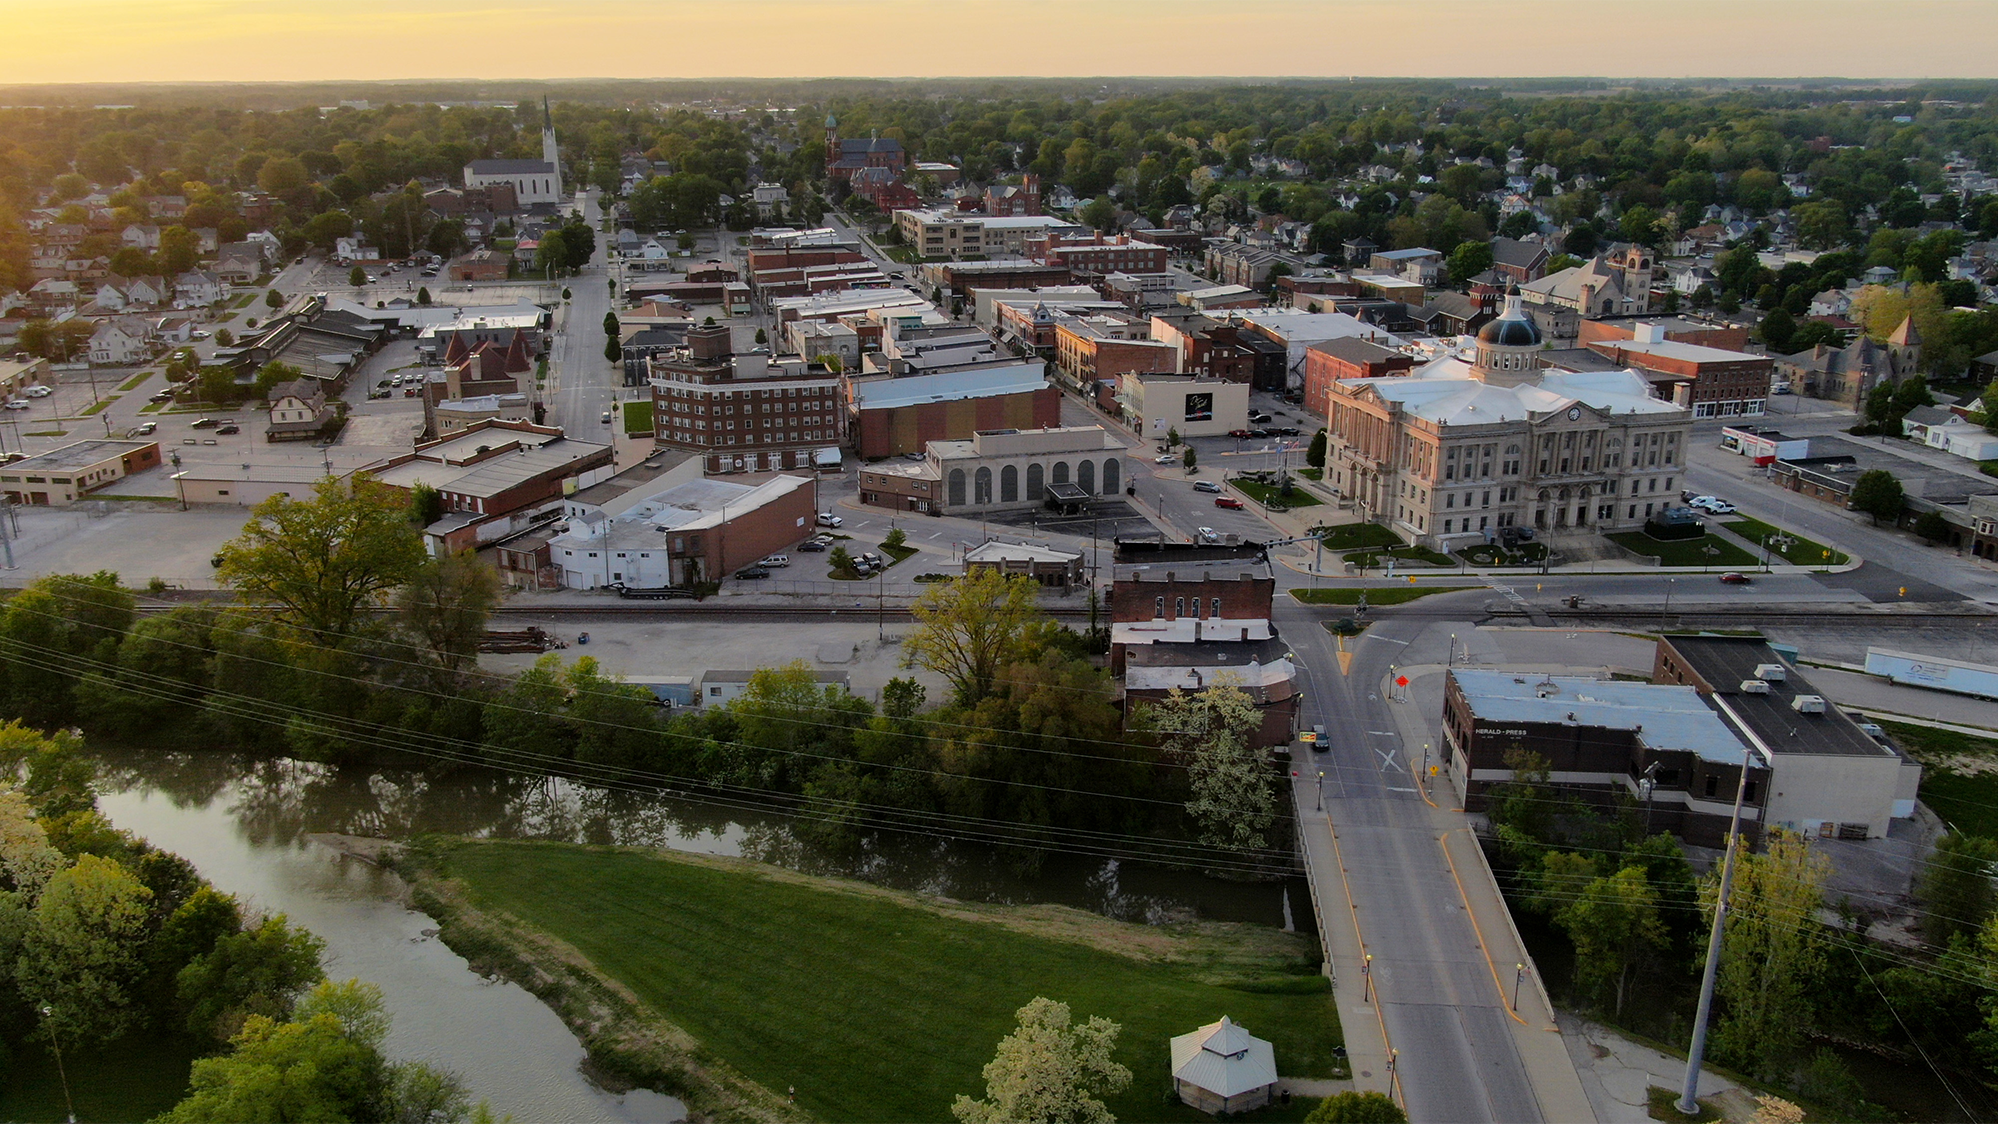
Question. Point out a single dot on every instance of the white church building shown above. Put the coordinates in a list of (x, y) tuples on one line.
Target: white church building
[(534, 181)]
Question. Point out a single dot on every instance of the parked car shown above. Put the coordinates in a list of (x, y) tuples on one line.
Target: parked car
[(197, 335), (1229, 502), (226, 430), (776, 560), (1285, 431), (1732, 578), (1206, 486), (145, 429), (871, 558), (17, 404), (205, 423), (1258, 418), (812, 546), (160, 396), (828, 519), (606, 418), (1258, 434), (752, 572), (38, 391), (1207, 536), (1164, 458), (1239, 434), (1713, 505)]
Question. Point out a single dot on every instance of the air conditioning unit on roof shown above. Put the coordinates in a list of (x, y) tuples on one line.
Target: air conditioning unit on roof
[(1754, 687), (1773, 672), (1808, 704)]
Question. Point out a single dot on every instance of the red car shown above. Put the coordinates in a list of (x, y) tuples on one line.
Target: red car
[(1229, 502), (1239, 434), (1736, 579)]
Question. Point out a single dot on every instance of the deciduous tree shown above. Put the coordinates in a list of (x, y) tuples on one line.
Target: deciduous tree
[(80, 957), (1353, 1107), (1233, 791), (1615, 928), (445, 605), (1878, 494), (1955, 889), (1771, 954), (970, 627), (1049, 1071), (324, 561)]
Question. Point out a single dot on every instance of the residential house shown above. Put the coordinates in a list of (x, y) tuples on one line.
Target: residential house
[(238, 263), (1418, 264), (118, 343), (298, 410), (141, 236), (198, 288)]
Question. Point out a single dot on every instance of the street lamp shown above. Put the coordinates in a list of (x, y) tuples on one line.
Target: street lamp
[(1367, 979), (1669, 583), (1518, 974), (1321, 790)]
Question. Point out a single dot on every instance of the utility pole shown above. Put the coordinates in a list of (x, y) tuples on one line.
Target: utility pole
[(1689, 1097)]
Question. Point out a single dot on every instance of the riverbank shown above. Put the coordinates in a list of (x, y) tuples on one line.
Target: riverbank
[(730, 983)]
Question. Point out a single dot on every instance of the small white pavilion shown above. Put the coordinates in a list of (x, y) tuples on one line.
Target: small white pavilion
[(1223, 1068)]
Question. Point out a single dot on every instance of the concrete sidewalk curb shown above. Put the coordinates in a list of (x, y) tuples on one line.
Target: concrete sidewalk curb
[(1360, 1023)]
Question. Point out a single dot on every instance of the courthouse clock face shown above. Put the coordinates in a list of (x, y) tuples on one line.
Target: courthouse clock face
[(1574, 413)]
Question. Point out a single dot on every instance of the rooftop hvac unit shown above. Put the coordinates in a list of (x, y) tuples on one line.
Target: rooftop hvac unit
[(1808, 704), (1754, 687), (1773, 672)]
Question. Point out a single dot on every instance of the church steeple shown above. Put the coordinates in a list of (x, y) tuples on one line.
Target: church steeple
[(551, 154)]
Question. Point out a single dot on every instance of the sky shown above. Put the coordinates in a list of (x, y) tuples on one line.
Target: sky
[(316, 40)]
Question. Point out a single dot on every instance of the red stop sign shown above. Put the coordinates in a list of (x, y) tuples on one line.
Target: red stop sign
[(1401, 680)]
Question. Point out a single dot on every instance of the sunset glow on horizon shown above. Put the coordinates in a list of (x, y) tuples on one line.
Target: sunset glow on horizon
[(367, 40)]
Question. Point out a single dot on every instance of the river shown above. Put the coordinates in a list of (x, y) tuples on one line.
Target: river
[(244, 821)]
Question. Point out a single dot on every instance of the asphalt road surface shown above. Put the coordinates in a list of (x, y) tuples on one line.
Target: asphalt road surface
[(1457, 1058)]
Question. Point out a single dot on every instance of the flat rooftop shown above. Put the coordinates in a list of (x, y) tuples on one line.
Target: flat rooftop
[(889, 394), (1666, 716), (78, 454), (1728, 661)]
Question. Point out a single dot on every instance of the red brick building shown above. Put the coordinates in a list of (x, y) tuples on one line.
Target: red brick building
[(1712, 382), (1097, 256), (1329, 361), (1184, 617), (903, 415)]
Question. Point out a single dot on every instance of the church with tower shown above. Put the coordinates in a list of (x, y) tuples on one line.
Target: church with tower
[(844, 157), (534, 182)]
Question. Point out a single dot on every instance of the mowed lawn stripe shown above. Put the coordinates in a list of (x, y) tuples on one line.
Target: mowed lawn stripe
[(874, 1009)]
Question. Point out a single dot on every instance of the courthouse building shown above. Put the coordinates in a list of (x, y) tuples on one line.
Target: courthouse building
[(1460, 447)]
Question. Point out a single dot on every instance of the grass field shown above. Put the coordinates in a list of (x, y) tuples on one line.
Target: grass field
[(1686, 552), (1393, 596), (97, 406), (1350, 536), (1374, 559), (638, 416), (133, 382), (1267, 494), (1801, 552), (1959, 775), (879, 1005)]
